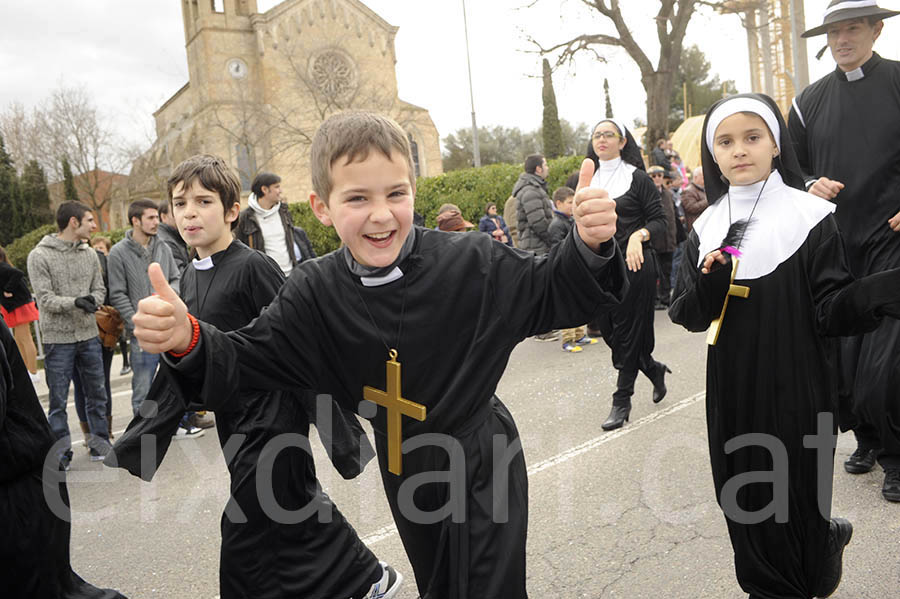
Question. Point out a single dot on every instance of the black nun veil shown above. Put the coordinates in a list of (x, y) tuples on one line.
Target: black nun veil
[(631, 154), (785, 163)]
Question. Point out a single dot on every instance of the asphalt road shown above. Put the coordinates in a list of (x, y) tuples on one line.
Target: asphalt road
[(628, 514)]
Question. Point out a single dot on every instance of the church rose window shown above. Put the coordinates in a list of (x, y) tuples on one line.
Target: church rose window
[(333, 74)]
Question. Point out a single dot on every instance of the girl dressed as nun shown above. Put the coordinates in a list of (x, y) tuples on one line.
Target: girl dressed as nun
[(765, 271)]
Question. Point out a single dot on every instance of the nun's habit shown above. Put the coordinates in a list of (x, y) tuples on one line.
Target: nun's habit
[(846, 127), (628, 329), (772, 369)]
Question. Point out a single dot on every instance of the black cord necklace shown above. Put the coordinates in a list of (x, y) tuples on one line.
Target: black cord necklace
[(392, 351), (749, 218)]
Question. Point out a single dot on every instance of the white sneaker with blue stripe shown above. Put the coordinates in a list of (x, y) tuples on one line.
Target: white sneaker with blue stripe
[(388, 586)]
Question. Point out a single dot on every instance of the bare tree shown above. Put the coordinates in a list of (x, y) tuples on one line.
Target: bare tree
[(69, 124), (671, 22)]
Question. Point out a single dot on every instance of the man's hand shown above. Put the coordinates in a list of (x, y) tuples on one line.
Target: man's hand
[(595, 212), (88, 303), (894, 223), (826, 188), (161, 323)]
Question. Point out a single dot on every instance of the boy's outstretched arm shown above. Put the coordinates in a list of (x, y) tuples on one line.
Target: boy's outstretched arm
[(595, 211), (161, 323)]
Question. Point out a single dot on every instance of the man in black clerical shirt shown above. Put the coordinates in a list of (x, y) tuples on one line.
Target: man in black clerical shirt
[(845, 129)]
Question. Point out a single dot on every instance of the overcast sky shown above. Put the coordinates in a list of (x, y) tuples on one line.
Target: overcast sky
[(130, 55)]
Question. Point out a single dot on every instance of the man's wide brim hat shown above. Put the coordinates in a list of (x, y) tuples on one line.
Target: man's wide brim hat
[(845, 10)]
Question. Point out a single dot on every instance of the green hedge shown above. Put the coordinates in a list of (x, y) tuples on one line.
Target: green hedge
[(470, 189)]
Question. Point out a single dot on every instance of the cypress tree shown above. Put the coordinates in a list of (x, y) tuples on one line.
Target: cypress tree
[(71, 194), (552, 132), (35, 197), (9, 197), (609, 110)]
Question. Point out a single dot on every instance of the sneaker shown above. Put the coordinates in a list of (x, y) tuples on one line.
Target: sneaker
[(388, 586), (861, 461), (586, 341), (65, 461), (202, 420), (125, 370), (891, 488), (190, 432), (571, 348)]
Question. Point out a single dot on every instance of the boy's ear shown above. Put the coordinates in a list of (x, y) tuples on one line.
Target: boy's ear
[(320, 209), (232, 213)]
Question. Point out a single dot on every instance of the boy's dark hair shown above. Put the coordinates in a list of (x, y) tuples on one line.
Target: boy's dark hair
[(163, 207), (67, 210), (350, 136), (562, 194), (532, 162), (136, 209), (263, 180), (213, 174), (487, 207)]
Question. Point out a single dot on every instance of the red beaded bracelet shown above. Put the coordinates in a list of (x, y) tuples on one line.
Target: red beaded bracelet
[(195, 337)]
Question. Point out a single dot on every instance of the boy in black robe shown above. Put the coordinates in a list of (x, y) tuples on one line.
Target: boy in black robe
[(267, 552), (770, 384), (846, 130), (35, 522), (460, 502)]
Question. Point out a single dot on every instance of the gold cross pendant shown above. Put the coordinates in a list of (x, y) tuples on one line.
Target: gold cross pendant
[(397, 407), (712, 335)]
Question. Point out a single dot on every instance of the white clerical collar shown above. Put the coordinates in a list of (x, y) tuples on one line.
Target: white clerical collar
[(615, 176), (382, 280), (204, 264), (610, 165), (781, 223), (855, 74)]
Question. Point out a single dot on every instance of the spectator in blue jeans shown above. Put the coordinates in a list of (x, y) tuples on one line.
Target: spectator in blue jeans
[(68, 287), (129, 284)]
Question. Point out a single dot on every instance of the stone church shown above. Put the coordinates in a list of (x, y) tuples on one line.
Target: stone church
[(260, 84)]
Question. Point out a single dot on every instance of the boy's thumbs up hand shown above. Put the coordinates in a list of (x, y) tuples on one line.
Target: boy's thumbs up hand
[(595, 212), (161, 323)]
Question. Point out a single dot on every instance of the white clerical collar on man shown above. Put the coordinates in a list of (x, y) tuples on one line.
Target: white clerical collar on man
[(382, 280), (855, 75), (204, 264)]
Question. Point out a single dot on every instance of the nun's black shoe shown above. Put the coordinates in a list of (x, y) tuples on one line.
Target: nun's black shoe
[(891, 488), (659, 385), (617, 417), (861, 461), (839, 534)]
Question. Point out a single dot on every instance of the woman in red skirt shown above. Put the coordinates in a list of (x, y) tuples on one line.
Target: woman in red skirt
[(18, 309)]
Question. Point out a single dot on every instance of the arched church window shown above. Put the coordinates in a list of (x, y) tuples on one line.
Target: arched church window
[(414, 150), (333, 74), (246, 164)]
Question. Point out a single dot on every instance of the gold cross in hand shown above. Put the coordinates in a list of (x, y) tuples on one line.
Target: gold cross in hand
[(397, 407), (712, 335)]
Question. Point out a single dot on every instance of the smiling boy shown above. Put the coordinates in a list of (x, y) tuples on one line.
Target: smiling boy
[(461, 502)]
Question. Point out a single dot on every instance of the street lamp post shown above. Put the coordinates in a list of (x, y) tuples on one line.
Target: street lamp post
[(475, 151)]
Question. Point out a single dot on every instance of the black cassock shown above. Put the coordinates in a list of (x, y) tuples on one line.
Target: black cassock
[(468, 301), (848, 130), (265, 554), (772, 372), (628, 330), (34, 534)]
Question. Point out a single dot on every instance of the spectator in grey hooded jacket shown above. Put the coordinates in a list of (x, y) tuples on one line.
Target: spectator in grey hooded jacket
[(68, 287), (129, 284), (533, 211)]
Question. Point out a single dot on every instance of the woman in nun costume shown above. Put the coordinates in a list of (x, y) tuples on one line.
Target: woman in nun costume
[(628, 329), (774, 251)]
